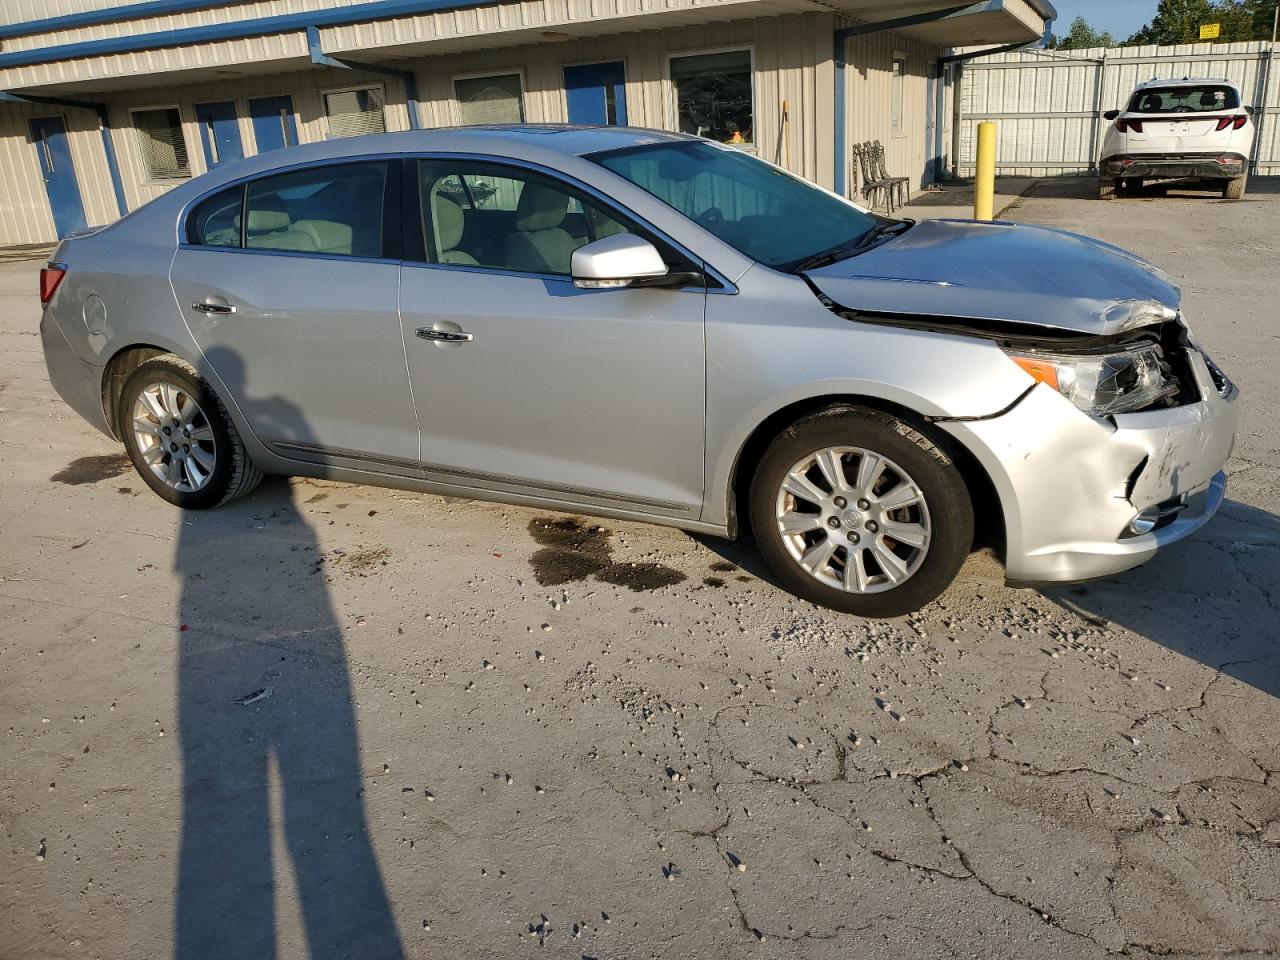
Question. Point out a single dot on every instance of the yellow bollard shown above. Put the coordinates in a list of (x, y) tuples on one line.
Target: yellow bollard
[(984, 185)]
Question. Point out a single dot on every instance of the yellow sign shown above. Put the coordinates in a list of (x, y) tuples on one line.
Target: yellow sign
[(1210, 31)]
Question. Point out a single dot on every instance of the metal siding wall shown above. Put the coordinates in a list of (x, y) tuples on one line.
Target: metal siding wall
[(869, 97), (786, 54), (1057, 95), (24, 211), (791, 59)]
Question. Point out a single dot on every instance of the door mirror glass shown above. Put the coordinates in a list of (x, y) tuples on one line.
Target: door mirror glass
[(1111, 114), (616, 261), (1249, 111)]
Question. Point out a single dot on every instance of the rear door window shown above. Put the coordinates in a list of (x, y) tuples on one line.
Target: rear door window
[(332, 211)]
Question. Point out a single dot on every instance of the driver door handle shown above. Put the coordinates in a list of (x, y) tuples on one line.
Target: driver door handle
[(444, 336)]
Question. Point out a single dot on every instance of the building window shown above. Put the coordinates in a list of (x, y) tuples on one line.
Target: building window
[(713, 95), (489, 99), (896, 79), (164, 151), (355, 112)]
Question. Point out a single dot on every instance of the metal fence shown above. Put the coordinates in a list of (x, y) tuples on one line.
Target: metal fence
[(1049, 103)]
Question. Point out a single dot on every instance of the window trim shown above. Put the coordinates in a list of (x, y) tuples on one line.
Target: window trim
[(455, 105), (412, 221), (898, 125), (349, 88), (672, 106), (137, 141), (392, 210)]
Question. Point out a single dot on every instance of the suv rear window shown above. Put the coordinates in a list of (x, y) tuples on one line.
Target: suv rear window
[(1207, 98)]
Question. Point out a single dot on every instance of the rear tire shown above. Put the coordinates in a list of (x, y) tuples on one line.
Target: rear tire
[(1106, 189), (846, 545), (180, 438), (1233, 189)]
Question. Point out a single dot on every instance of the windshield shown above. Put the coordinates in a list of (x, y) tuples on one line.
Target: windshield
[(1201, 98), (759, 210)]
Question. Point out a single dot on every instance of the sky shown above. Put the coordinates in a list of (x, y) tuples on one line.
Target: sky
[(1121, 17)]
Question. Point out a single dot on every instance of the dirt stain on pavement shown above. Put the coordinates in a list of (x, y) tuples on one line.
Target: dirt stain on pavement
[(724, 566), (92, 469), (573, 551)]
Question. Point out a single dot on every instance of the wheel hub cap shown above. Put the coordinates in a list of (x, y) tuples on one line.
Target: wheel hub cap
[(853, 519)]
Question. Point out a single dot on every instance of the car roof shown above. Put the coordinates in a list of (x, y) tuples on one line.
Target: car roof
[(1185, 82)]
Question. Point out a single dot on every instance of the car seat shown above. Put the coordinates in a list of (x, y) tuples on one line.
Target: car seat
[(540, 244), (449, 220)]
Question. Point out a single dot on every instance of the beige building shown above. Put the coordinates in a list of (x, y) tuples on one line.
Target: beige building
[(106, 104)]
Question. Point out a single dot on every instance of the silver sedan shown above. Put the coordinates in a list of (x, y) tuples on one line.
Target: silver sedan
[(654, 327)]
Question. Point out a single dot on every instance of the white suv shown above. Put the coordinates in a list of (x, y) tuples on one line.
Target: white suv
[(1178, 129)]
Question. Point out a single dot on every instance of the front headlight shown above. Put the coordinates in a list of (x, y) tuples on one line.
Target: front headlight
[(1104, 383)]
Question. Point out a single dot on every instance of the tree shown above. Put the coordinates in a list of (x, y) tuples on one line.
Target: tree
[(1179, 21), (1081, 35)]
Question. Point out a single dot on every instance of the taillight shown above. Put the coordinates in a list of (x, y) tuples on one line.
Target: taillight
[(1133, 125), (50, 277), (1234, 123)]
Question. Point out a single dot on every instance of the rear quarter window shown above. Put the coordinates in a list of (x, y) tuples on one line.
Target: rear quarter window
[(215, 222)]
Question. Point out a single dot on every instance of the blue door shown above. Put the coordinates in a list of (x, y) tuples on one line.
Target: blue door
[(596, 93), (273, 123), (219, 132), (50, 137)]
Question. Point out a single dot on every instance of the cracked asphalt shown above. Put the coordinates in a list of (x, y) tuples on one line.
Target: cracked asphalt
[(338, 721)]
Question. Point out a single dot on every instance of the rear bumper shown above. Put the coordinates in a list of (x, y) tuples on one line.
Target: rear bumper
[(1215, 166), (1070, 486), (77, 382)]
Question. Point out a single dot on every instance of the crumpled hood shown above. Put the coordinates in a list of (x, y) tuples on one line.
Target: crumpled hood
[(998, 271)]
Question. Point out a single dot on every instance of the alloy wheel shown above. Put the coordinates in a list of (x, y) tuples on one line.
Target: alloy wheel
[(174, 436), (853, 519)]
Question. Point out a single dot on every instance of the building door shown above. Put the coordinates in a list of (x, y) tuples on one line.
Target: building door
[(596, 93), (50, 137), (219, 132), (273, 123)]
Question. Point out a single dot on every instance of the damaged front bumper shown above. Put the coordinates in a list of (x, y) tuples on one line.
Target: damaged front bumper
[(1084, 497)]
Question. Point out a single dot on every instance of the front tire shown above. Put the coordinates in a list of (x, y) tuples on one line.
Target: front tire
[(1233, 189), (860, 511), (180, 438)]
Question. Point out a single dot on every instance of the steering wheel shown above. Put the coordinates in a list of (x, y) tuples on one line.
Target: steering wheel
[(710, 217)]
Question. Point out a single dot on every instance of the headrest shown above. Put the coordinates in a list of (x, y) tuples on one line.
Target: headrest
[(1152, 101), (540, 208), (266, 213), (1209, 99), (449, 220)]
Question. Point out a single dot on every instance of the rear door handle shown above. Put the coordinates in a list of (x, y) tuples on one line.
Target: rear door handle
[(444, 336), (213, 305)]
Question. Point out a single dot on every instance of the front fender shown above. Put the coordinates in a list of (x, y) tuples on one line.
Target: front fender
[(774, 345)]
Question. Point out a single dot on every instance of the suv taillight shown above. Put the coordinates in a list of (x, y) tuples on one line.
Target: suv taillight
[(1235, 123), (1133, 125), (50, 277)]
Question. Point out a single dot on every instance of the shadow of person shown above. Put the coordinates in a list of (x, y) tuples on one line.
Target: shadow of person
[(270, 756), (1213, 597)]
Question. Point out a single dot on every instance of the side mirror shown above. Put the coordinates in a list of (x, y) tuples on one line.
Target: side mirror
[(1111, 115), (1249, 111), (616, 261)]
